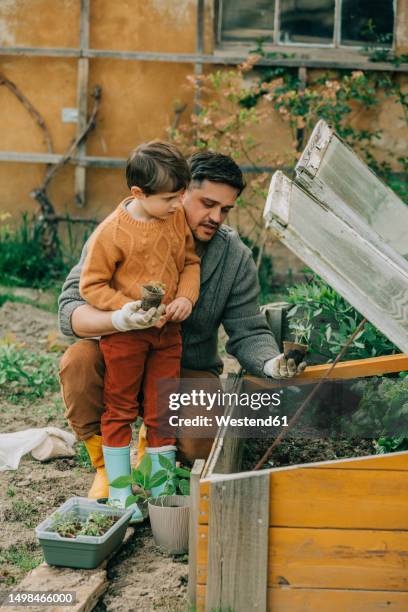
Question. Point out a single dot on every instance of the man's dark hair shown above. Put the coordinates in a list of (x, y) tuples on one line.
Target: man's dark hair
[(157, 167), (217, 168)]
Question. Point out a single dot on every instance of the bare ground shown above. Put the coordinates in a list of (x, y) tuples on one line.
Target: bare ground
[(142, 577)]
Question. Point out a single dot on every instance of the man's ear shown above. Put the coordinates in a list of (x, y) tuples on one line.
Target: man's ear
[(137, 192)]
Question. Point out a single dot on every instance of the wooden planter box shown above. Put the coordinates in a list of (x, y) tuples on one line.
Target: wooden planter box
[(322, 536)]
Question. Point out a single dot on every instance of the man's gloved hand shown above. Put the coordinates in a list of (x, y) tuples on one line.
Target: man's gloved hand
[(131, 316), (280, 367)]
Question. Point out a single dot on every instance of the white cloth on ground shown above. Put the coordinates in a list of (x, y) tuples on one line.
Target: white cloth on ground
[(44, 443)]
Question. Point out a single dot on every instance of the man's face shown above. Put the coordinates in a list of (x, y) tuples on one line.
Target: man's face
[(207, 206)]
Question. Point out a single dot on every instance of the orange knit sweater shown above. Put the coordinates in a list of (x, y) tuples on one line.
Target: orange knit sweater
[(125, 253)]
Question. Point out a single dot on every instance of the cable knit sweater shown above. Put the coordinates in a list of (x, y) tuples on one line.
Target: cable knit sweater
[(125, 253)]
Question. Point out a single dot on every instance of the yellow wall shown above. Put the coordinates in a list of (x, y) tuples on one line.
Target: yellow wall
[(137, 97)]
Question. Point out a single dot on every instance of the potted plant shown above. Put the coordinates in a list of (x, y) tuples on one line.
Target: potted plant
[(168, 512), (152, 294), (82, 533), (301, 328)]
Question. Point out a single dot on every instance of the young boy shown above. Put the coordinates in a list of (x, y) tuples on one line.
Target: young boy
[(145, 239)]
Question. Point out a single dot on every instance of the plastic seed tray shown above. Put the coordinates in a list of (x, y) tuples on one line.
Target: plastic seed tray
[(85, 552)]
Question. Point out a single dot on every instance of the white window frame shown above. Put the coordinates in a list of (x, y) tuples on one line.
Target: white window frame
[(277, 43)]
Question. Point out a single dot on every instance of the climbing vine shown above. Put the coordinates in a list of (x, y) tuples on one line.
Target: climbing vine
[(242, 110)]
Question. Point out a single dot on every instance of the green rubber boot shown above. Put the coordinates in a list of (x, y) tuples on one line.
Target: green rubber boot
[(170, 453), (117, 463)]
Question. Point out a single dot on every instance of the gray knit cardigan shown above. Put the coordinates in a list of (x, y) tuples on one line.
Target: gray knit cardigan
[(228, 295)]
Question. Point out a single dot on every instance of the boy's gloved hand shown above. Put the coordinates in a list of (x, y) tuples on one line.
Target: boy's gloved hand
[(280, 367), (131, 316)]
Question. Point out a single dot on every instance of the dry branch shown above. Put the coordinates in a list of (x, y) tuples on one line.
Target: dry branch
[(31, 109), (96, 94)]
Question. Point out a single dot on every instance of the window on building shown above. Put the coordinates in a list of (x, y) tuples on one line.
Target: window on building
[(243, 19), (308, 22), (367, 21)]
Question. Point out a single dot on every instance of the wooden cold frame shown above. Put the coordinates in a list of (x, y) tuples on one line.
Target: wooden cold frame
[(331, 171), (291, 538), (362, 270)]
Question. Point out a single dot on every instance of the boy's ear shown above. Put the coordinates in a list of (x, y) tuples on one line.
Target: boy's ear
[(137, 192)]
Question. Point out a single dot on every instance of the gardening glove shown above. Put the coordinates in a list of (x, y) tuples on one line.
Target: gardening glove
[(280, 367), (131, 316)]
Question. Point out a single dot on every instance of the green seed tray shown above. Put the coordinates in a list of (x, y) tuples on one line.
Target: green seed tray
[(82, 552)]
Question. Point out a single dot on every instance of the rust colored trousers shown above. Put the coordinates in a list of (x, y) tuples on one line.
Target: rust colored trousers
[(82, 370), (135, 361)]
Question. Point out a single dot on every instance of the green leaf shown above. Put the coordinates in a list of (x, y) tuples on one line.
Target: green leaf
[(184, 487), (166, 463), (132, 499), (158, 479), (145, 466), (169, 489), (182, 472), (138, 478), (121, 482)]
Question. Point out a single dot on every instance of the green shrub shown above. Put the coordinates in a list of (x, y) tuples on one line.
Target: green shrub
[(22, 260), (333, 321), (23, 373), (382, 412)]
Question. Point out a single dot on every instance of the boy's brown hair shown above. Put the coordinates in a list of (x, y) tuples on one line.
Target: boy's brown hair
[(157, 167)]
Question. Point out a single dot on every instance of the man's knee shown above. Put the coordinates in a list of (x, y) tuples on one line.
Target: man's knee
[(190, 449), (82, 365), (81, 376)]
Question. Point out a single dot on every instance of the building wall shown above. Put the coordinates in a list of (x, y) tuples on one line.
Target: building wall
[(137, 97)]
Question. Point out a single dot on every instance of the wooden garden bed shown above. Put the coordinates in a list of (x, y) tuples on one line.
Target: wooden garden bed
[(328, 535)]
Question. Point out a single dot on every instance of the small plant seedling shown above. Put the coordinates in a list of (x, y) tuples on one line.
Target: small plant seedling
[(301, 328), (175, 480), (152, 294), (25, 373), (70, 525)]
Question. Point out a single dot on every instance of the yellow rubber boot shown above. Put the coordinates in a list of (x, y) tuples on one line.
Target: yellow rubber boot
[(142, 443), (100, 485)]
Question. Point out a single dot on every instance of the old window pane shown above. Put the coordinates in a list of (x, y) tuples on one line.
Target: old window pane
[(367, 21), (247, 19), (307, 21)]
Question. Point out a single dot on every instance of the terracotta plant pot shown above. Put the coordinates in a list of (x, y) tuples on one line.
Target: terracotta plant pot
[(152, 296), (169, 518), (293, 350)]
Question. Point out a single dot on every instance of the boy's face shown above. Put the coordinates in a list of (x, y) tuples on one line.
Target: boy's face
[(159, 205), (207, 206)]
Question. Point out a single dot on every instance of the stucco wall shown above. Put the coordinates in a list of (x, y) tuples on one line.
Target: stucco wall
[(137, 97)]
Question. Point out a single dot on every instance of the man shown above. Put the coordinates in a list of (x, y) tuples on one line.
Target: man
[(228, 295)]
